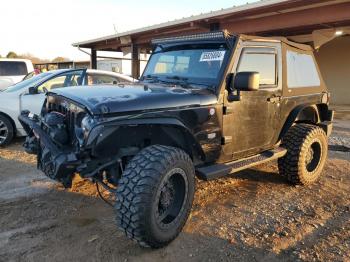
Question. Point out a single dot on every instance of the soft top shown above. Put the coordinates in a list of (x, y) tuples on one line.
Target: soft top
[(285, 40)]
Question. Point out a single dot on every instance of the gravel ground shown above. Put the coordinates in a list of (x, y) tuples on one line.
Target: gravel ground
[(252, 215), (340, 138)]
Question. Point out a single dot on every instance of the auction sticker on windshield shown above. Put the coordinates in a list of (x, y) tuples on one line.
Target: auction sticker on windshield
[(212, 56)]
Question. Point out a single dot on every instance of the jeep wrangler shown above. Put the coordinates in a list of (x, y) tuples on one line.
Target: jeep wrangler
[(206, 106)]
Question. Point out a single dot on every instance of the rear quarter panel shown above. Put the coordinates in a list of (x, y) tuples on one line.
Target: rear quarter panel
[(293, 98)]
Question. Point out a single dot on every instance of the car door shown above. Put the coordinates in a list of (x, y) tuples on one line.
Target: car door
[(34, 102), (250, 120)]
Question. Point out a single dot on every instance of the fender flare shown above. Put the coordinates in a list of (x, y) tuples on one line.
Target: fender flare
[(170, 122), (303, 113)]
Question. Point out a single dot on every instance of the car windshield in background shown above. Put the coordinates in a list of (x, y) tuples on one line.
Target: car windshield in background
[(12, 68), (195, 64), (27, 83)]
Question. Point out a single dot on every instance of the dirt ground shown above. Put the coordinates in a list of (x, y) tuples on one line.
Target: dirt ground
[(250, 216)]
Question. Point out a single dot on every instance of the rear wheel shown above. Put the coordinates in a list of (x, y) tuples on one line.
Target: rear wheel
[(155, 195), (6, 131), (307, 149)]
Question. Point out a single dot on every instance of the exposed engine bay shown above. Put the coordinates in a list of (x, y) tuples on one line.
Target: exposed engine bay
[(58, 138), (54, 124)]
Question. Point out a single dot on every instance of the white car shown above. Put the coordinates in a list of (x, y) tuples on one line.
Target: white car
[(13, 71), (30, 94)]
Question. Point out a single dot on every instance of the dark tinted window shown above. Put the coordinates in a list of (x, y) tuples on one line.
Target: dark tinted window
[(259, 60), (15, 68)]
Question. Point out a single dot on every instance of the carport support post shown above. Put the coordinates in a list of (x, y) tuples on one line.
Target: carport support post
[(135, 61), (93, 59)]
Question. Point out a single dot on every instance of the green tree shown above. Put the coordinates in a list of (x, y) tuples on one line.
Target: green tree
[(12, 54)]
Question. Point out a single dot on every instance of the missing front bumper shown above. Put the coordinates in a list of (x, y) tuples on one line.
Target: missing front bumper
[(56, 163)]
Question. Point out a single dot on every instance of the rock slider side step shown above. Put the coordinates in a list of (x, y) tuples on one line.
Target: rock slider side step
[(220, 170)]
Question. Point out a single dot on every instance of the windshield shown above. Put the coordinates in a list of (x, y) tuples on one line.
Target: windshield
[(27, 83), (193, 64)]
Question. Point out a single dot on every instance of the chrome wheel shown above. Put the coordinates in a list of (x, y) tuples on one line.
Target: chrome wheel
[(4, 131)]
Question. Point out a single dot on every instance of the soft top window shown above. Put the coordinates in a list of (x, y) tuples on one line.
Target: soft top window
[(261, 60), (301, 70)]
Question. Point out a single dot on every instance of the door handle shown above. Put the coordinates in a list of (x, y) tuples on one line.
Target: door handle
[(274, 99)]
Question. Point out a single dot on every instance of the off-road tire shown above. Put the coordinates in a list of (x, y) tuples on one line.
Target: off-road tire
[(10, 131), (298, 141), (137, 196)]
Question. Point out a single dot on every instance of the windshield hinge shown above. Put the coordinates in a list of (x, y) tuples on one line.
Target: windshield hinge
[(228, 110), (226, 140)]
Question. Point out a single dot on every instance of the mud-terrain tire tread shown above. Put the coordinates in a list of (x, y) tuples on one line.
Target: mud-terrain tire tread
[(136, 187), (296, 142), (11, 130)]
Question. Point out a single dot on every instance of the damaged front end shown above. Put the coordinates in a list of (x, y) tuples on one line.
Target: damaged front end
[(68, 139), (49, 142), (71, 137), (57, 137)]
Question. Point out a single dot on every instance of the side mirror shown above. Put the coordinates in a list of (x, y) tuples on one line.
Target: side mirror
[(32, 90), (247, 81)]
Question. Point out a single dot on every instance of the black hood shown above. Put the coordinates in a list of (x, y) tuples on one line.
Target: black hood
[(136, 97)]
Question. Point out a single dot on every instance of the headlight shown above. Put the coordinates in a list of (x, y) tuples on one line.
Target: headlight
[(82, 132), (87, 123)]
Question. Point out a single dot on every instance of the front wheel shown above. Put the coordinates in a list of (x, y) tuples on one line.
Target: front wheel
[(155, 195), (307, 149), (6, 131)]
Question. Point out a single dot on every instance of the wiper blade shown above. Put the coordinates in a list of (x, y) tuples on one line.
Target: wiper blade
[(183, 82), (177, 78), (209, 87), (150, 77), (154, 79)]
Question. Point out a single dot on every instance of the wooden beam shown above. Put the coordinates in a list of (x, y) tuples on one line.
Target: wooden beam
[(110, 44), (304, 29), (135, 61), (308, 17), (93, 59), (284, 17)]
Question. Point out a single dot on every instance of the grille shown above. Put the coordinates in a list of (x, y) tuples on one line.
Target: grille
[(70, 116)]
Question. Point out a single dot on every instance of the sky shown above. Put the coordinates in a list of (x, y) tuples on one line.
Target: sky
[(47, 28)]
